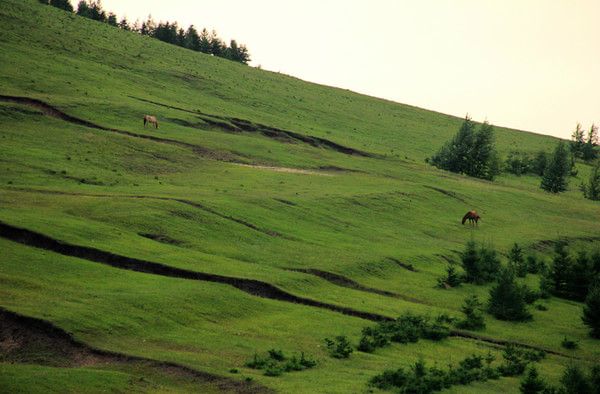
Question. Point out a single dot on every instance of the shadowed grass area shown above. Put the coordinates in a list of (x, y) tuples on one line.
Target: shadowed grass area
[(238, 181)]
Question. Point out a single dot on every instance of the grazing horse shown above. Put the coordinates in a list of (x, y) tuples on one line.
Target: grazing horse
[(472, 216), (150, 119)]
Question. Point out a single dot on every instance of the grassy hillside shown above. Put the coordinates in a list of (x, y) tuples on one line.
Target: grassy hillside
[(248, 177)]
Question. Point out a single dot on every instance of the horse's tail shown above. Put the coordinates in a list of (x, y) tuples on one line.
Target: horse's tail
[(156, 123), (464, 219), (145, 121)]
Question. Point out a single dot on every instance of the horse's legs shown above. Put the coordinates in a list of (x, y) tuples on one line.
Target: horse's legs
[(145, 122)]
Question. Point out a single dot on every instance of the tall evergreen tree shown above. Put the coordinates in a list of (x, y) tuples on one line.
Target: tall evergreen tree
[(587, 151), (112, 19), (470, 262), (577, 140), (123, 24), (591, 309), (532, 384), (555, 174), (204, 45), (192, 40), (561, 266), (217, 46), (470, 152), (516, 259), (506, 299), (591, 190), (83, 9), (62, 4), (540, 162), (574, 381)]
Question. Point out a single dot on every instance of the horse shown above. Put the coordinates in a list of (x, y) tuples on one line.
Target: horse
[(472, 217), (150, 119)]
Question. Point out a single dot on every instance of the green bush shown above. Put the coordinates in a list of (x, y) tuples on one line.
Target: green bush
[(339, 347), (569, 343)]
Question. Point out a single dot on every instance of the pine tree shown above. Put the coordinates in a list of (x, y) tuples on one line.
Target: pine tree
[(577, 141), (555, 174), (540, 163), (574, 381), (470, 262), (578, 279), (515, 256), (561, 266), (591, 309), (506, 299), (591, 190), (204, 45), (532, 383), (192, 40), (83, 9), (124, 24), (62, 4), (217, 46), (473, 310), (112, 19), (588, 152)]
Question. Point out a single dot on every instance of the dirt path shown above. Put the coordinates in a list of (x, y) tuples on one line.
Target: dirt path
[(342, 281), (29, 340), (250, 286), (228, 157), (231, 124)]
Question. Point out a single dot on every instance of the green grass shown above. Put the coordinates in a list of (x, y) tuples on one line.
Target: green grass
[(85, 186)]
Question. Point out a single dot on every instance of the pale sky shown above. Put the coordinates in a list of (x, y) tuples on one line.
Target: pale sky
[(528, 64)]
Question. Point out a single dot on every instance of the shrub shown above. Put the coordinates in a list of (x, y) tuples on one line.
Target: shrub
[(406, 328), (569, 343), (273, 369), (339, 347), (257, 362), (276, 354), (452, 278), (516, 259), (516, 359), (541, 307)]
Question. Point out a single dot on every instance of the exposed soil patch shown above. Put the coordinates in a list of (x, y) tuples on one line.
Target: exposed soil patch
[(250, 286), (231, 124), (342, 281), (286, 202), (34, 341), (406, 266), (447, 193), (162, 238), (286, 169), (52, 111)]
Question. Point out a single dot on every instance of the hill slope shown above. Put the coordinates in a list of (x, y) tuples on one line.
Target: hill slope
[(264, 212)]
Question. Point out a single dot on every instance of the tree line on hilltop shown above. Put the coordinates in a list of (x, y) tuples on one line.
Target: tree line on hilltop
[(170, 32), (472, 152)]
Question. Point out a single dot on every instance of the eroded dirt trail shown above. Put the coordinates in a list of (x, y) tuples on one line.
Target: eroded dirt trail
[(29, 340)]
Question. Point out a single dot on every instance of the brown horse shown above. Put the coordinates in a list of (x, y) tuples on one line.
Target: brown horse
[(472, 217), (150, 119)]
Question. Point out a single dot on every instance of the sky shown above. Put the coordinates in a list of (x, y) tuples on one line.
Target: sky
[(527, 64)]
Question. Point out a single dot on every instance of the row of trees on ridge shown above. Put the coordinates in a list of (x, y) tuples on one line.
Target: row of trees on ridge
[(170, 32)]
